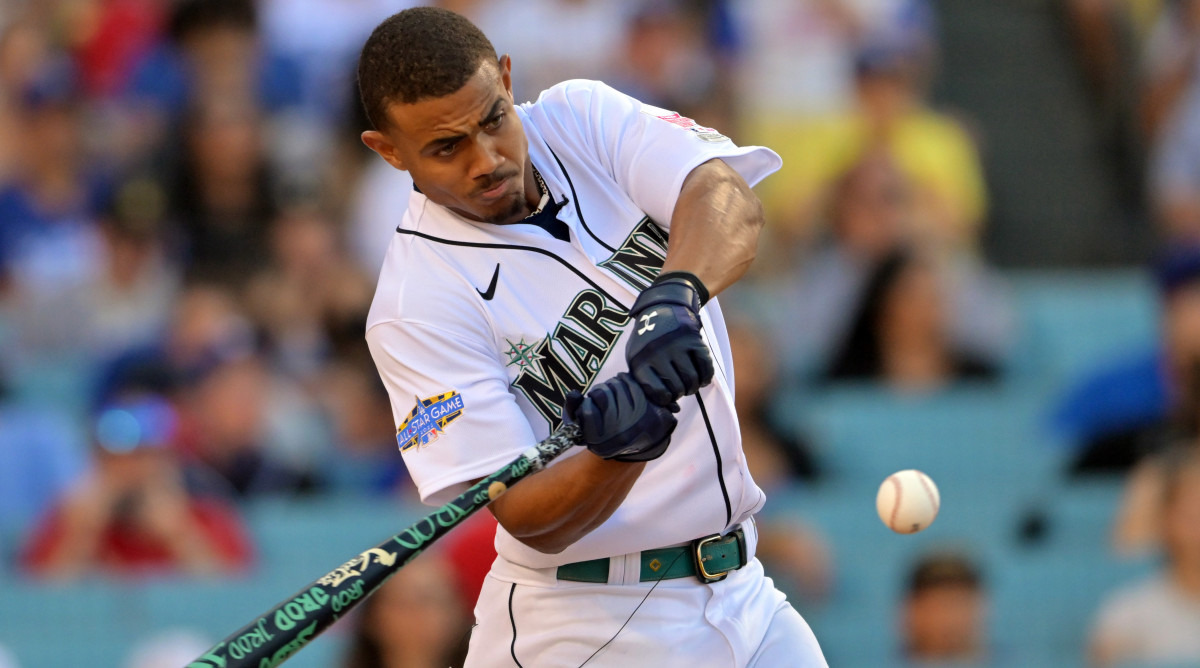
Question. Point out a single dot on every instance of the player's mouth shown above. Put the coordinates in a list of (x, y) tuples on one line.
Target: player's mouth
[(497, 191)]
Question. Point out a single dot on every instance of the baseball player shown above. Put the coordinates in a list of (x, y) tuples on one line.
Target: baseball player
[(559, 260)]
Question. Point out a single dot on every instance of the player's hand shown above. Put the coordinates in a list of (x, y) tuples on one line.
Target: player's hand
[(666, 352), (618, 422)]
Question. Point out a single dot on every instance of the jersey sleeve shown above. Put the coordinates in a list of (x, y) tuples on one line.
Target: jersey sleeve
[(456, 420), (649, 151)]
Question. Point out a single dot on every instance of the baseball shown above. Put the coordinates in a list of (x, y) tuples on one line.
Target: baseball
[(907, 501)]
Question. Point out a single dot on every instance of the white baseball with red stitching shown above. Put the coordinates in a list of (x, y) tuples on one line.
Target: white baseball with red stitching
[(907, 501)]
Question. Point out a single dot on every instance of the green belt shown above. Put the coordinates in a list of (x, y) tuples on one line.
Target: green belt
[(710, 559)]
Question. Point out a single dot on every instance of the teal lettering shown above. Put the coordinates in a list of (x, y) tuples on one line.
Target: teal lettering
[(450, 515), (319, 595), (640, 258), (592, 312), (294, 610), (584, 347), (306, 601), (343, 599), (250, 640), (583, 351), (302, 639), (282, 621), (415, 537)]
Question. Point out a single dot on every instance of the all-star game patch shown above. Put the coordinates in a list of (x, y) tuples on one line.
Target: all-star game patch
[(429, 419), (705, 134)]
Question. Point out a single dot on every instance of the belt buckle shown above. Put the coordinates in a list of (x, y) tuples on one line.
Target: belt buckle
[(701, 571)]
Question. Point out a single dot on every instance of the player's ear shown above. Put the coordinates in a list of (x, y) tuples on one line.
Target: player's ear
[(505, 65), (379, 142)]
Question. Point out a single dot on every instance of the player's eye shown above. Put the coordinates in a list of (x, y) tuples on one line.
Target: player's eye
[(446, 150), (494, 122)]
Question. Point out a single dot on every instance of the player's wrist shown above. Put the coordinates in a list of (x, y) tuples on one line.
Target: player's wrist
[(686, 278)]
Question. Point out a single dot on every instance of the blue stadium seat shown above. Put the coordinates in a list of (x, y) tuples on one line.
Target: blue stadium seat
[(1070, 320)]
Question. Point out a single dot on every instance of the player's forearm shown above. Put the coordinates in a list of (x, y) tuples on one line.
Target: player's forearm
[(715, 226), (553, 509)]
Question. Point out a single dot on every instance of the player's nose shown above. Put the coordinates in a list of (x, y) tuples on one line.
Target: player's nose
[(486, 158)]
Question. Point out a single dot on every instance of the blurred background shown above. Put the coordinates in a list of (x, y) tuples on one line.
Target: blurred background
[(982, 260)]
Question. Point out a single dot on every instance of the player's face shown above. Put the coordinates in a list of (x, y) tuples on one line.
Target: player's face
[(466, 151)]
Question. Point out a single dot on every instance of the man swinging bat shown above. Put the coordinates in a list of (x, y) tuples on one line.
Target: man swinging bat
[(558, 261)]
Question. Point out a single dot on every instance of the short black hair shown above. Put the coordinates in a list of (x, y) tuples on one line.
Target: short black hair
[(944, 569), (419, 53), (196, 16)]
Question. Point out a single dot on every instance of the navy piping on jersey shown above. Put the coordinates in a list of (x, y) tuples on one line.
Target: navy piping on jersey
[(712, 437), (575, 199), (716, 453), (512, 648), (534, 249)]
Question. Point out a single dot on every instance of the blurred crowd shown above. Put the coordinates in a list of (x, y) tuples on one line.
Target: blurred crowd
[(190, 230)]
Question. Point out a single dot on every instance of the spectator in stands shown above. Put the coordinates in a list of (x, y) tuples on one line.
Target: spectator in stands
[(1168, 62), (1145, 401), (108, 39), (226, 409), (204, 325), (323, 38), (365, 459), (213, 51), (944, 613), (1138, 529), (414, 621), (24, 48), (871, 216), (132, 514), (1174, 179), (222, 196), (665, 61), (900, 335), (933, 151), (798, 57), (576, 38), (1157, 621), (308, 292), (129, 303), (49, 238)]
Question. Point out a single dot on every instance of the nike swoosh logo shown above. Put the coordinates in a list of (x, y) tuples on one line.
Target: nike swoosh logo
[(491, 291)]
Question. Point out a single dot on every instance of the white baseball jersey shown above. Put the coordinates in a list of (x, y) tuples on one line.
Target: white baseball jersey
[(479, 330)]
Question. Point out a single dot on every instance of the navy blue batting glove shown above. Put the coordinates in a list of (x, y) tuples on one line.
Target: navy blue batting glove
[(666, 352), (618, 422)]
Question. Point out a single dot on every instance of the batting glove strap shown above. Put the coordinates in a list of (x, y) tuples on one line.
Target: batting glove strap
[(689, 278), (617, 421), (666, 352)]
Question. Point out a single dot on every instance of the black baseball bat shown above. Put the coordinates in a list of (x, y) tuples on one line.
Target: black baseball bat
[(284, 630)]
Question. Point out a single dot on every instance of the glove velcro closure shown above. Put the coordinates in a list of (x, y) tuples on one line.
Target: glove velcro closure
[(675, 291), (689, 278)]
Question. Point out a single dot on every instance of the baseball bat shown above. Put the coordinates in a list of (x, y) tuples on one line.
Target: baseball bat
[(284, 630)]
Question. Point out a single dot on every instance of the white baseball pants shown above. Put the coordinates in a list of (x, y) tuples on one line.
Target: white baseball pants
[(528, 619)]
